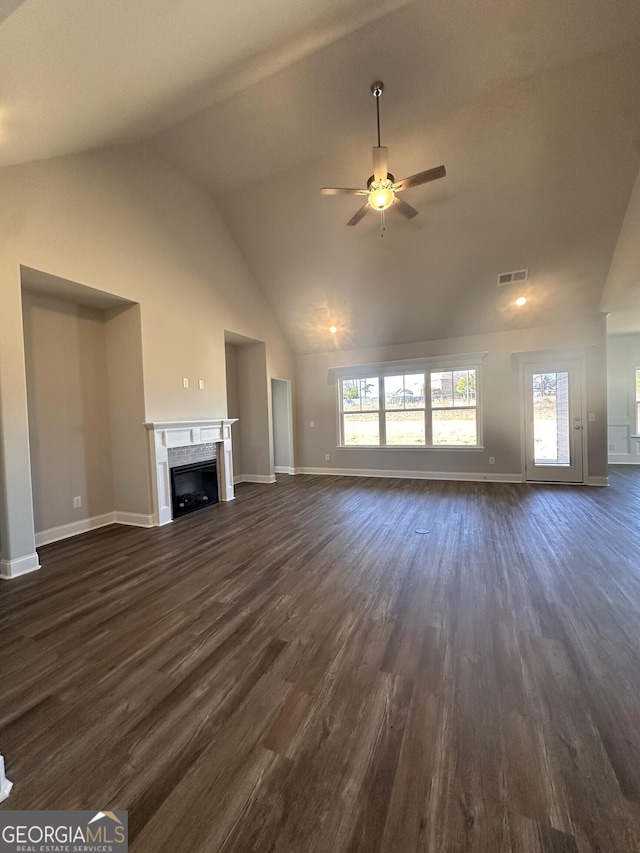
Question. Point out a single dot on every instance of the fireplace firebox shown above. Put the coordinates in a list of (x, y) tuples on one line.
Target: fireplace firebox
[(193, 487)]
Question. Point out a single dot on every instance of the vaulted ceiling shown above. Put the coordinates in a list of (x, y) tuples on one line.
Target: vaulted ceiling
[(534, 108)]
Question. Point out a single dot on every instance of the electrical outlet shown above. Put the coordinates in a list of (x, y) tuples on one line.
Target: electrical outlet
[(492, 460), (326, 457), (612, 447), (77, 502), (312, 424), (185, 382)]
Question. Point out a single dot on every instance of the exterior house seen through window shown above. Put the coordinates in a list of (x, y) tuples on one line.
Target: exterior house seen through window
[(423, 408)]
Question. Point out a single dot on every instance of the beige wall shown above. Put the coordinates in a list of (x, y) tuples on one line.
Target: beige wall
[(254, 391), (68, 402), (124, 222), (623, 357), (501, 395), (130, 469), (623, 280), (233, 407)]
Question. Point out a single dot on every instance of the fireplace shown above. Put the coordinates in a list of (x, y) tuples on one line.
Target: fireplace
[(208, 440), (193, 487)]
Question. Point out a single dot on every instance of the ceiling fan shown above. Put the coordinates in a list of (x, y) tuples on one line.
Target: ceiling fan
[(382, 188)]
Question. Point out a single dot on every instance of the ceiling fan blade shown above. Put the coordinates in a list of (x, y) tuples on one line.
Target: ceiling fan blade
[(420, 178), (342, 191), (380, 163), (404, 209), (359, 214)]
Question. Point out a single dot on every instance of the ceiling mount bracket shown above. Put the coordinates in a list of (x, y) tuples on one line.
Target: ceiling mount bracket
[(377, 88)]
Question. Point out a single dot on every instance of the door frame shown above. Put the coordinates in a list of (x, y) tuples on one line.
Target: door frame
[(554, 359)]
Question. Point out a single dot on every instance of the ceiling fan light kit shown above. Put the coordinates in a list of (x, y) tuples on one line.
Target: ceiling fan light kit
[(382, 188)]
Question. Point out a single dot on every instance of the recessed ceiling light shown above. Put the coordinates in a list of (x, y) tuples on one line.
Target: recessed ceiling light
[(333, 329), (520, 301)]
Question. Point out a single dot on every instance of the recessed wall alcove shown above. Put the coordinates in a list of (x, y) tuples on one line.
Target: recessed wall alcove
[(85, 398)]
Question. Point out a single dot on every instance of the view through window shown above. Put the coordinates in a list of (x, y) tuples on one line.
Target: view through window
[(427, 408)]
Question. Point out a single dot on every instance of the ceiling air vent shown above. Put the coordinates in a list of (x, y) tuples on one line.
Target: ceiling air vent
[(515, 277)]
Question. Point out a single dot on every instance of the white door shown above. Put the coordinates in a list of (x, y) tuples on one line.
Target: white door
[(553, 422)]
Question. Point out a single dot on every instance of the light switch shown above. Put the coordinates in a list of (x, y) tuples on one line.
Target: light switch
[(185, 382), (201, 384), (312, 424)]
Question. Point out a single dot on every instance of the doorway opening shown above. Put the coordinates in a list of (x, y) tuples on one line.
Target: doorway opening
[(282, 408)]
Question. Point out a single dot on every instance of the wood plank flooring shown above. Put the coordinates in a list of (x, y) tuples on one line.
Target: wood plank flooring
[(299, 670)]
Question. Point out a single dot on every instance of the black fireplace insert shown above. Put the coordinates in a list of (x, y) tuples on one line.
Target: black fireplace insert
[(193, 487)]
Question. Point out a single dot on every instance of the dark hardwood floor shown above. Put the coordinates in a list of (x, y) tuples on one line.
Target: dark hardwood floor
[(299, 670)]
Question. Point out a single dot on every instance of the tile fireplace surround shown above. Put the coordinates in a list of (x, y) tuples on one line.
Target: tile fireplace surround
[(164, 435)]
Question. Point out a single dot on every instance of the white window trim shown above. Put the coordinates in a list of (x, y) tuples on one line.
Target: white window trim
[(409, 365), (470, 361)]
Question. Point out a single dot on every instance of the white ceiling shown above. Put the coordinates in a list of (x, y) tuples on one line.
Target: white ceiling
[(534, 108)]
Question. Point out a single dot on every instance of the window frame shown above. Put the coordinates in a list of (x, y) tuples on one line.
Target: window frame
[(426, 366)]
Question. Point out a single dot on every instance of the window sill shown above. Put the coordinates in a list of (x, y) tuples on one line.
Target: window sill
[(466, 448)]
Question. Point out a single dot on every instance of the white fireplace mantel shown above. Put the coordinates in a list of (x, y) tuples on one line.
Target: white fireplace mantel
[(166, 434)]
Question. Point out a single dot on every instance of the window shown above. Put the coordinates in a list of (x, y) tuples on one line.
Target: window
[(430, 404), (638, 400), (453, 406), (361, 411), (404, 409)]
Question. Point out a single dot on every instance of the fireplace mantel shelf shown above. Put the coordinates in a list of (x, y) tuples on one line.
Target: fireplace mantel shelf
[(166, 434), (166, 425)]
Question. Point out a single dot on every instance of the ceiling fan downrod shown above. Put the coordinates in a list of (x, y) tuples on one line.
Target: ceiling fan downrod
[(377, 89)]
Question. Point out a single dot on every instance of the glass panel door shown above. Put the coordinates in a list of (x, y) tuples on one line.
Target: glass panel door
[(553, 422)]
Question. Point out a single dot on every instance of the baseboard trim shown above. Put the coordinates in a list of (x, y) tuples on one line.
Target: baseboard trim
[(413, 475), (66, 531), (265, 479), (284, 469), (10, 569), (134, 519), (597, 481)]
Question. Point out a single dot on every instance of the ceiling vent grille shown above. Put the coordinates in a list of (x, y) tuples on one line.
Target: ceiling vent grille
[(515, 277)]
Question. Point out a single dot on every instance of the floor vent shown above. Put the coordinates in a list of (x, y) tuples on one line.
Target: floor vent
[(515, 277)]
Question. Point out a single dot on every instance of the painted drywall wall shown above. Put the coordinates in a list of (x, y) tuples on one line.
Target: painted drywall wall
[(124, 222), (233, 407), (129, 445), (623, 358), (624, 274), (501, 404), (254, 392), (69, 422)]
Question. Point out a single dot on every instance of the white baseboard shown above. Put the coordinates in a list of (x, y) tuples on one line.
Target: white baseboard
[(65, 531), (255, 478), (10, 569), (597, 481), (414, 475), (283, 469), (134, 519)]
